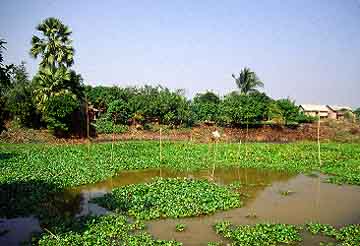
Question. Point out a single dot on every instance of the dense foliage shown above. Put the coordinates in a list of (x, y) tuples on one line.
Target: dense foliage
[(357, 113), (170, 197), (237, 109), (205, 106), (5, 74), (105, 230), (156, 104), (59, 92), (20, 101)]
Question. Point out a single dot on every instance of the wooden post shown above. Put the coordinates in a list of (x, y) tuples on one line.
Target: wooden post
[(318, 141), (160, 154), (87, 118)]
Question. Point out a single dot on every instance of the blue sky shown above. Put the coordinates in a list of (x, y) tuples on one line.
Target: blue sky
[(306, 50)]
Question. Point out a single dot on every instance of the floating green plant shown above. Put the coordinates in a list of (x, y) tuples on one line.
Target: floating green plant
[(170, 197)]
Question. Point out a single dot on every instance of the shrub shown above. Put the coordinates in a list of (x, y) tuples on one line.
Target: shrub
[(206, 106), (118, 112), (103, 125), (243, 109), (58, 112)]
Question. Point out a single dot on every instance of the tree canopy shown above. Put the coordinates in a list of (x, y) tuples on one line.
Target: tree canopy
[(54, 46), (248, 81)]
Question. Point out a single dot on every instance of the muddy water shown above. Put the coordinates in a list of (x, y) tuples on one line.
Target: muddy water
[(310, 200)]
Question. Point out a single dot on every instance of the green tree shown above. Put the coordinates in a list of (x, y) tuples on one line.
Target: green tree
[(59, 113), (242, 109), (119, 112), (206, 106), (55, 81), (289, 112), (357, 113), (20, 102), (248, 81), (54, 46), (5, 84)]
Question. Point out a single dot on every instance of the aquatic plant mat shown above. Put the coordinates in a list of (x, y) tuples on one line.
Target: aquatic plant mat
[(105, 230), (72, 165), (170, 197), (32, 176), (281, 234)]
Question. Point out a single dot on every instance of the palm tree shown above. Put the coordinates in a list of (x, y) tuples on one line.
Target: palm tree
[(247, 81), (57, 82), (55, 46)]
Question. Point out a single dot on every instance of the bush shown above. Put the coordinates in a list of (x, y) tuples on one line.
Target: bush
[(243, 109), (357, 114), (103, 125), (58, 113), (206, 107), (118, 112)]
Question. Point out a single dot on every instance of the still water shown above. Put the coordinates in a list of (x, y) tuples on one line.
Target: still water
[(309, 199)]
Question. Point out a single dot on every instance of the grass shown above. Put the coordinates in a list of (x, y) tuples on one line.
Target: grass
[(170, 198)]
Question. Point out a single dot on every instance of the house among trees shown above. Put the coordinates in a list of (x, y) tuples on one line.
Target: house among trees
[(315, 110), (327, 111), (340, 112)]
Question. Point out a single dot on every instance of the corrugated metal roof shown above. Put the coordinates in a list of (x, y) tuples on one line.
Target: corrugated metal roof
[(314, 107)]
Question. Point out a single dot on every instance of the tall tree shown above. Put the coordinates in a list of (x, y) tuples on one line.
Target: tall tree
[(247, 81), (5, 70), (55, 45), (5, 83), (59, 91), (20, 98)]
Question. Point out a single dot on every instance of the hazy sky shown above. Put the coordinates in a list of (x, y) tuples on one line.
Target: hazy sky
[(303, 49)]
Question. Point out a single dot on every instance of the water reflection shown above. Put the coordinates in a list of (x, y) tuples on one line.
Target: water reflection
[(254, 181), (311, 200)]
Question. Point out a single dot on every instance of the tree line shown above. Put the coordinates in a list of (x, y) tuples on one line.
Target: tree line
[(57, 99)]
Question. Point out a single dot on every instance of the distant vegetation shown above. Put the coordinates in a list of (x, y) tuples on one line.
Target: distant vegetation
[(56, 98)]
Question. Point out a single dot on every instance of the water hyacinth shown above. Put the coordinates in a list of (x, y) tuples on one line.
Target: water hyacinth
[(105, 230), (170, 197)]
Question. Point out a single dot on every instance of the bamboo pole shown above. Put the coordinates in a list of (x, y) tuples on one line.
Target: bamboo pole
[(319, 156), (318, 141), (160, 149), (87, 118), (113, 140)]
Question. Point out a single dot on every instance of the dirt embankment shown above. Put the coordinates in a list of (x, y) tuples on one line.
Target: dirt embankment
[(329, 130), (337, 131)]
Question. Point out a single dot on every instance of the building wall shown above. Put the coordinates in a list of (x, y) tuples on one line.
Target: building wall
[(332, 115), (322, 114)]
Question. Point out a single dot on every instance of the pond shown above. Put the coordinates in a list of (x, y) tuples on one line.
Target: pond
[(268, 196)]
